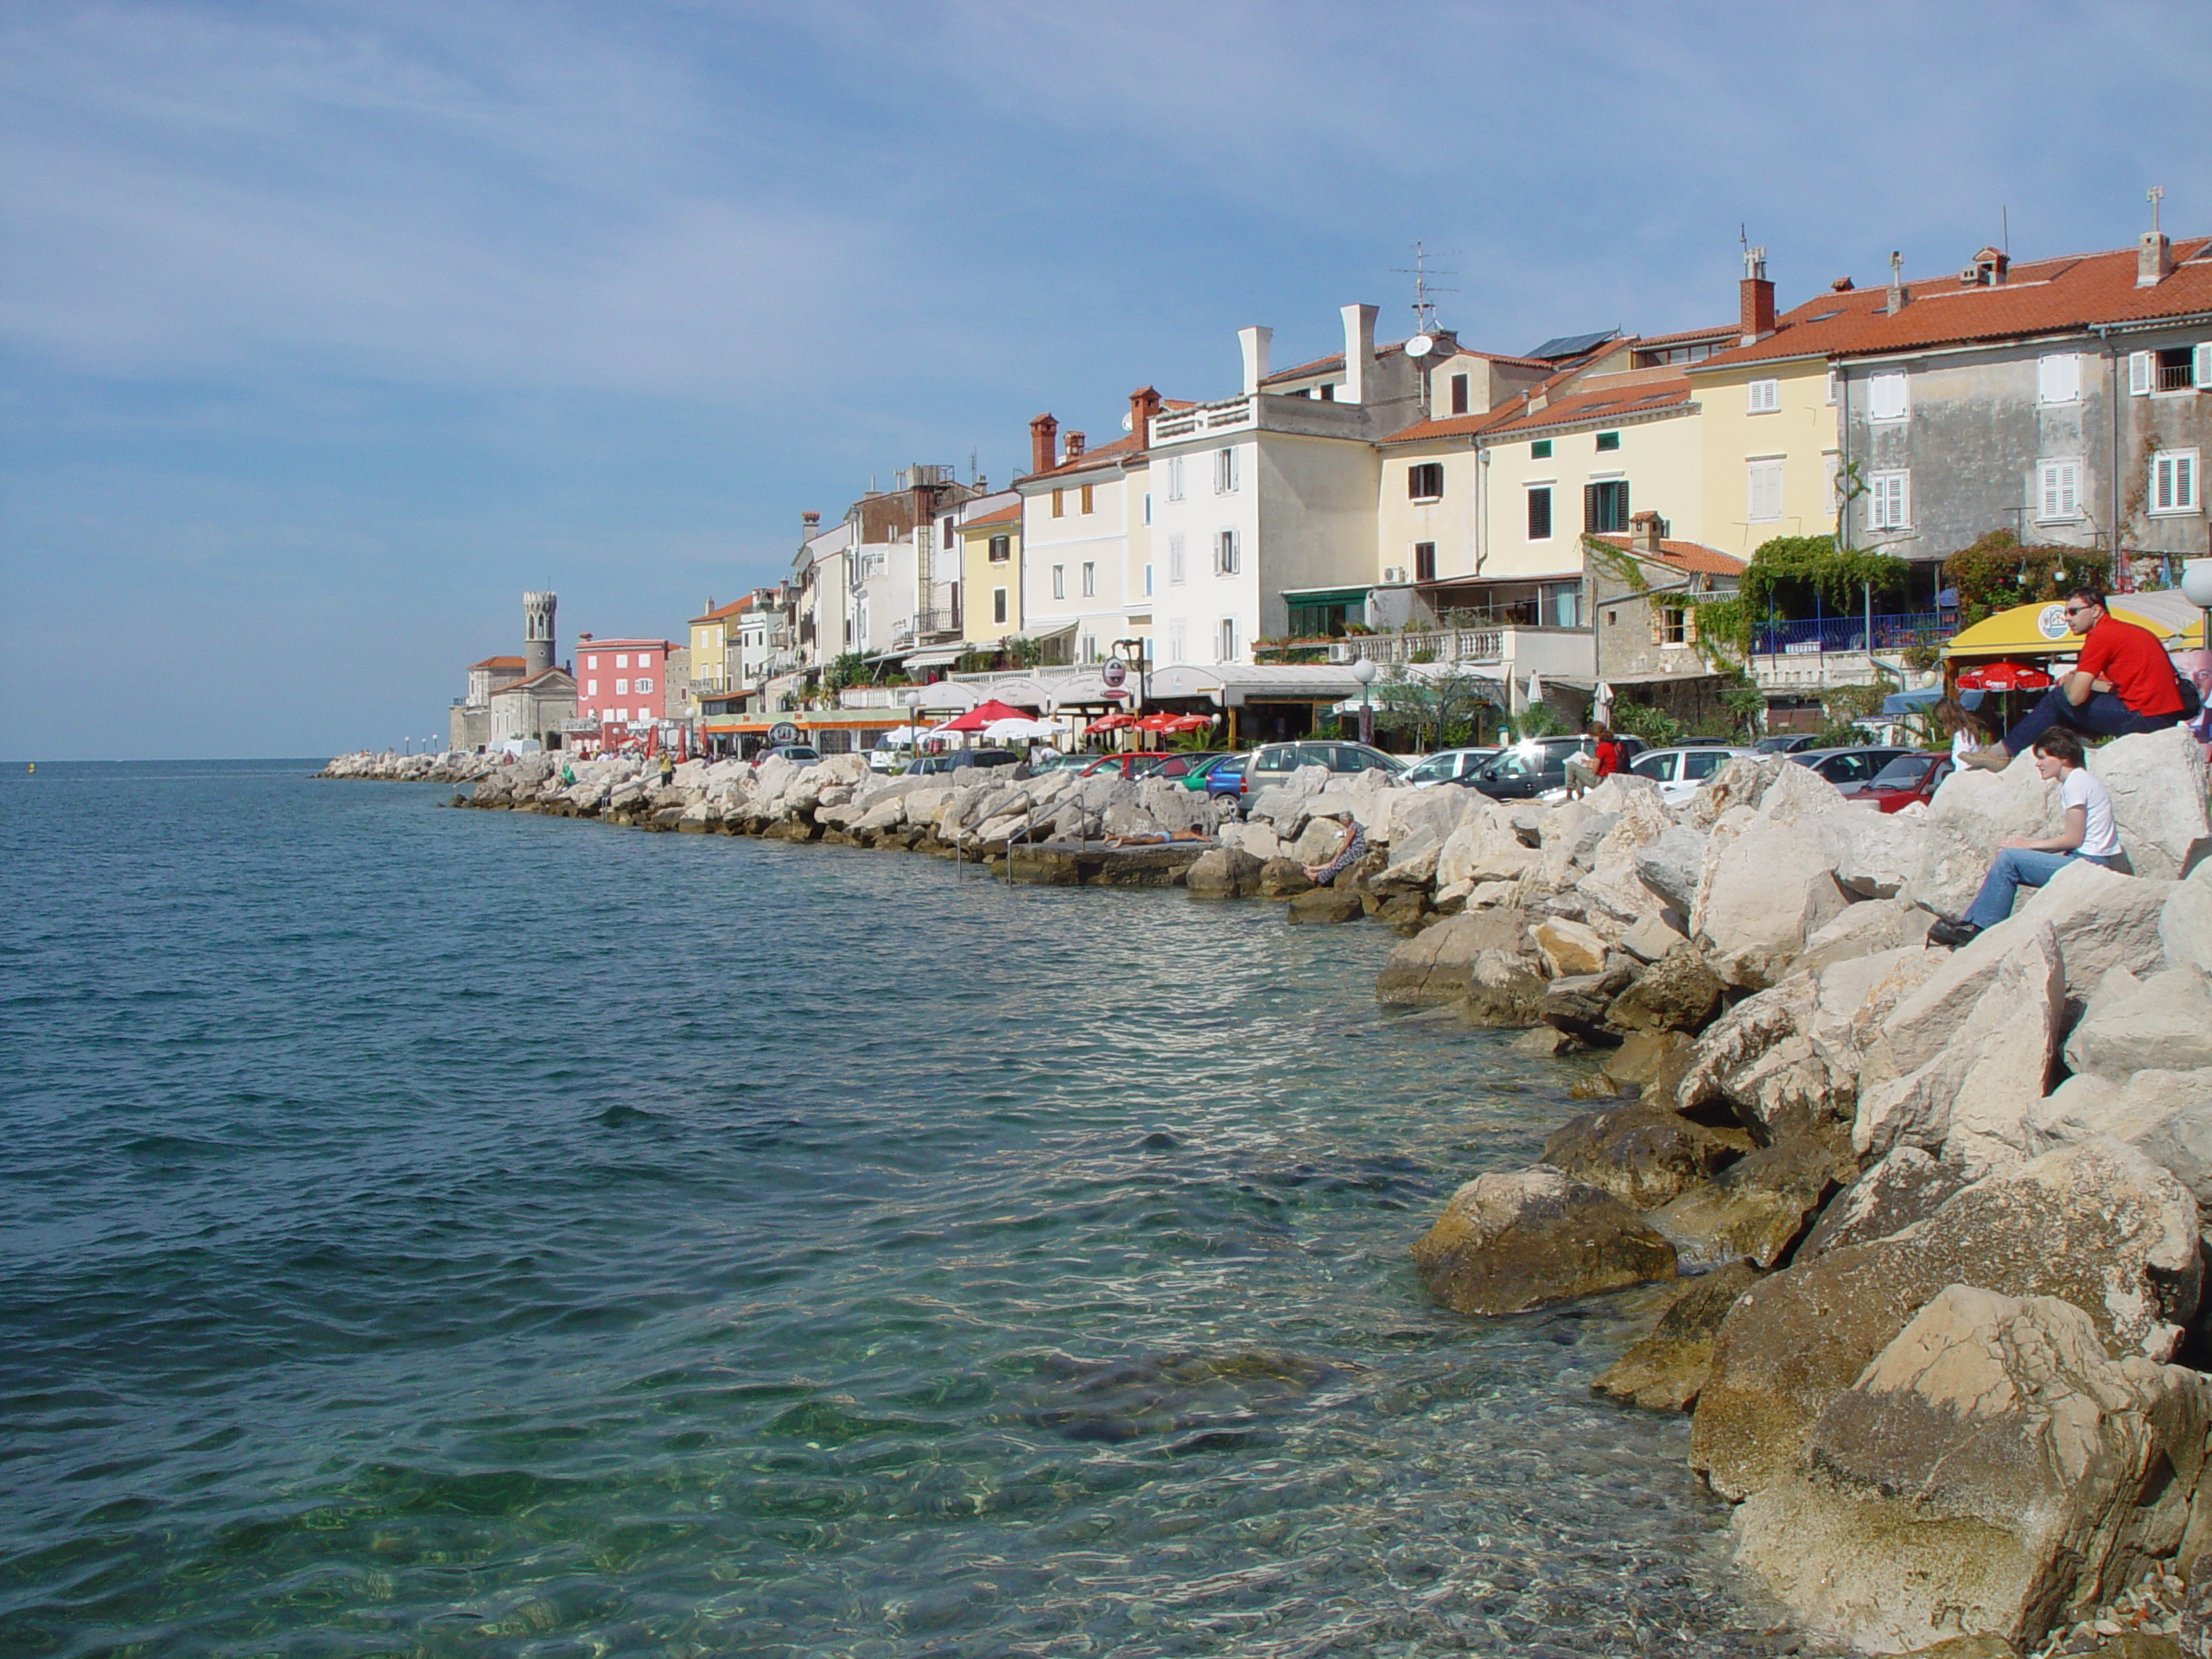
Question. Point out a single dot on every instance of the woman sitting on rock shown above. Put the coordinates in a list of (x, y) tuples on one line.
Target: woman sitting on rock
[(2085, 832), (1353, 848)]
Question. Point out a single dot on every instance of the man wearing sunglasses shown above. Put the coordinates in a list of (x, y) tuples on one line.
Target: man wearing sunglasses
[(2123, 682)]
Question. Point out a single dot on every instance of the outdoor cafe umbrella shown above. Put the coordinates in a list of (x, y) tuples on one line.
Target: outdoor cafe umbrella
[(1167, 722), (1114, 722), (1020, 727), (984, 714)]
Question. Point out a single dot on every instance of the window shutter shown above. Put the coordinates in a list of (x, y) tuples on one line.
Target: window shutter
[(1658, 615), (1589, 508), (2200, 369), (2184, 481), (1689, 625), (2139, 374)]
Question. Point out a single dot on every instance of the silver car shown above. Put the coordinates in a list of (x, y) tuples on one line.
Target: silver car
[(1679, 771), (1445, 767)]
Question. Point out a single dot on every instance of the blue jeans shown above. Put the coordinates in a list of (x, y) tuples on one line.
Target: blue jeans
[(2101, 714), (2015, 868)]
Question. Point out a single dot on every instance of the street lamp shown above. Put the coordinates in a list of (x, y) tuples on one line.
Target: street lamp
[(912, 699), (2196, 587), (1363, 672)]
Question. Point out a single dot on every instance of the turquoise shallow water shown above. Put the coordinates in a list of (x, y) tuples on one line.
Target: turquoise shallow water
[(440, 1233)]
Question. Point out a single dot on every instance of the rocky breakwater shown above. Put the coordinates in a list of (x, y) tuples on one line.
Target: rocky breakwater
[(383, 767), (1930, 1224)]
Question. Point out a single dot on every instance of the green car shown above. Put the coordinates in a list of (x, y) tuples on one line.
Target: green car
[(1191, 770)]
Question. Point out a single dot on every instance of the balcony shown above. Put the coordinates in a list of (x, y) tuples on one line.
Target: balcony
[(1228, 415), (1903, 632), (1435, 645)]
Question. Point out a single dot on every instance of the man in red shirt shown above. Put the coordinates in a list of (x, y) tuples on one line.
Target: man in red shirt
[(2123, 682)]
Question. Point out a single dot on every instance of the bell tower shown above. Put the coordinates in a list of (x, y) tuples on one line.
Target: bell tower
[(537, 632)]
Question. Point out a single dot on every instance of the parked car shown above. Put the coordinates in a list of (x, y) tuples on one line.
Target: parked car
[(1184, 764), (1272, 763), (799, 754), (1908, 778), (1226, 777), (1529, 768), (1787, 742), (1058, 761), (1680, 770), (954, 760), (1447, 766), (1136, 763), (1856, 765)]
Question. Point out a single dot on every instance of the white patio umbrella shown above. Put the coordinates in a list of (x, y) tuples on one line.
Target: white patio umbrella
[(1008, 731)]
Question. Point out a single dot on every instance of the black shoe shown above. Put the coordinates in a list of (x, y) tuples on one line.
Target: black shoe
[(1952, 935)]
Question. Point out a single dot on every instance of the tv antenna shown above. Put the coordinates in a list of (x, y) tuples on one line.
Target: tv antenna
[(1424, 339)]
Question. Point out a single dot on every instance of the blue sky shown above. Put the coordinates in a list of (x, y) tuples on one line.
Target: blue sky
[(326, 329)]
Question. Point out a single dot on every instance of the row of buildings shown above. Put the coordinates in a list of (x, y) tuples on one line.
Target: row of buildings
[(1524, 515)]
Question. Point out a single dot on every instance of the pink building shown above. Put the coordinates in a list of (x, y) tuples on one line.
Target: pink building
[(622, 684)]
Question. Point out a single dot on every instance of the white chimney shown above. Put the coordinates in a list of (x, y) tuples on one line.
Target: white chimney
[(1360, 351), (1255, 344)]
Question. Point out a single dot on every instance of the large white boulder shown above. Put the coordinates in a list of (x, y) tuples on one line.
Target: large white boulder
[(1972, 812), (2165, 1115), (2156, 781), (1992, 1471), (2165, 1021), (1672, 865), (1484, 848), (1761, 895), (2185, 923)]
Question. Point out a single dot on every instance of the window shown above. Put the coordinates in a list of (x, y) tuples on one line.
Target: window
[(1609, 440), (1086, 506), (2173, 481), (1673, 625), (1604, 506), (1889, 501), (1328, 392), (2058, 378), (1178, 643), (1089, 580), (591, 688), (1087, 648), (1458, 394), (2139, 365), (1224, 554), (1424, 561), (1175, 478), (1001, 548), (1059, 581), (2175, 369), (1540, 449), (1147, 582), (591, 662), (1539, 514), (1762, 491), (1762, 397), (1174, 559), (642, 685), (2058, 490), (1426, 481), (1562, 602), (1885, 396), (622, 659), (998, 604), (1228, 640), (944, 534), (1836, 380), (1224, 472), (1147, 506), (622, 688)]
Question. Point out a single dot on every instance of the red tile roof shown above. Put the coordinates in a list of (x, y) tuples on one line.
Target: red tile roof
[(1008, 515), (1693, 557), (1642, 343), (501, 662), (1126, 447), (542, 675), (1454, 426), (1644, 397), (730, 609)]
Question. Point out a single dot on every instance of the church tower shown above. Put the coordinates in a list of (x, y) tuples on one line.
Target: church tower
[(537, 632)]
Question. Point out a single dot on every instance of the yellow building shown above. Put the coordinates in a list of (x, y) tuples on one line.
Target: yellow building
[(990, 573), (1769, 411), (714, 646)]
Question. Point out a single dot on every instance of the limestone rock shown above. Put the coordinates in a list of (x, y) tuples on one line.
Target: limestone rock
[(1503, 989), (2164, 1115), (1757, 1208), (1738, 783), (2157, 783), (1671, 866), (1435, 967), (1796, 791), (1484, 848), (1569, 948), (1971, 814), (1223, 872), (1651, 938), (1507, 1241), (1283, 878), (1326, 905), (1665, 1369), (1640, 1154), (1877, 854), (2185, 921), (1577, 1002), (1992, 1470), (1903, 1188), (1863, 929), (1761, 895), (2164, 1021), (1645, 1057), (2097, 1225), (1679, 992)]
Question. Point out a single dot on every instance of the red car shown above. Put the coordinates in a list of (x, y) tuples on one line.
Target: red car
[(1135, 763), (1908, 778)]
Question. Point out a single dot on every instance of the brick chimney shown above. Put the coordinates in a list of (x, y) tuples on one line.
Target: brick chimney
[(1646, 530), (1254, 343), (1074, 444), (1755, 298), (1043, 444), (809, 524), (1144, 403), (2154, 259), (1898, 294), (1360, 351)]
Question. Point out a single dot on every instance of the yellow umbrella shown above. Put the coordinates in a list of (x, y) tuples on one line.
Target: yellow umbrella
[(2040, 630)]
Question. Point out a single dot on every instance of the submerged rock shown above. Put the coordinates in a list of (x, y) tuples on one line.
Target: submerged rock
[(1757, 1208), (1666, 1368), (1508, 1242), (1642, 1155)]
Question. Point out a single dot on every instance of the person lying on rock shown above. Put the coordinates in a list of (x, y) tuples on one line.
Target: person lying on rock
[(1156, 837), (1349, 851), (2122, 683), (2085, 832)]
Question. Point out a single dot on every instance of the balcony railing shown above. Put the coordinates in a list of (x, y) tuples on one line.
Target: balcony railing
[(1437, 646), (1902, 632), (1202, 419)]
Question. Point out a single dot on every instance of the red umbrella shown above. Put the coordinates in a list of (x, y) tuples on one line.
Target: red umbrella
[(983, 714), (1112, 723), (1161, 722)]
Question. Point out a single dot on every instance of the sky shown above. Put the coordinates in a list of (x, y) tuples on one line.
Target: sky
[(328, 329)]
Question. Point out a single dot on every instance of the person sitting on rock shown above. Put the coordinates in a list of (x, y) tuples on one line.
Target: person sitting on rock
[(1605, 760), (1966, 728), (1352, 848), (2122, 683), (2085, 832)]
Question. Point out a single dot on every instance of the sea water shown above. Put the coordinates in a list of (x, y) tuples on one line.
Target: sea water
[(427, 1232)]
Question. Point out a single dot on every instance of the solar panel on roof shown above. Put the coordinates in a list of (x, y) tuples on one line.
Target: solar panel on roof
[(1573, 345)]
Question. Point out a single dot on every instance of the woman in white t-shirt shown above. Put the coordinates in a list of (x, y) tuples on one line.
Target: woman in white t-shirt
[(2085, 831)]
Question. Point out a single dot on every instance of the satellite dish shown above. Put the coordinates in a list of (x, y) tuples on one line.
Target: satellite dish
[(1420, 346), (1128, 423)]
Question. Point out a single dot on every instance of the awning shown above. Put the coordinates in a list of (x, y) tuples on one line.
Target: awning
[(1231, 685), (2040, 629), (1325, 595), (935, 656)]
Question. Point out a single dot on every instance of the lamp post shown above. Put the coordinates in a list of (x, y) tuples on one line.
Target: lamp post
[(913, 701), (1363, 672), (2196, 587)]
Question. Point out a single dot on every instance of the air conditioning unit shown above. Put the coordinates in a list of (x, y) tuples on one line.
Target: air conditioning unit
[(1343, 650), (1393, 573)]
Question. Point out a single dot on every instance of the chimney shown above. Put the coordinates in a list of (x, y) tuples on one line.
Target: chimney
[(1254, 343), (1360, 351), (809, 524), (1646, 530), (1895, 303), (1043, 444), (1841, 285), (1074, 444), (1755, 298), (1144, 403), (2154, 259)]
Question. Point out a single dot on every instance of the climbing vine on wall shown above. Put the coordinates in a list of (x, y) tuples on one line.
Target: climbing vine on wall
[(2000, 571)]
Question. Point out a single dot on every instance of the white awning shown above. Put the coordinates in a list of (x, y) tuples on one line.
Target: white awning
[(1231, 685), (935, 656)]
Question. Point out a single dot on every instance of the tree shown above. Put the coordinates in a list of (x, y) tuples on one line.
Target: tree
[(1440, 709)]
